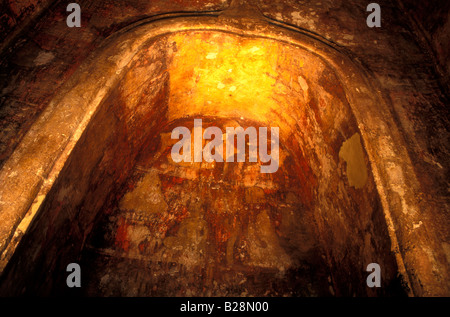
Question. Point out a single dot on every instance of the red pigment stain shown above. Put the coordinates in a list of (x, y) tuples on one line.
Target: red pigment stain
[(122, 236), (270, 191), (170, 222), (169, 182), (143, 246)]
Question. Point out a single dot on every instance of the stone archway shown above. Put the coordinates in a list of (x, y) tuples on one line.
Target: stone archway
[(46, 156)]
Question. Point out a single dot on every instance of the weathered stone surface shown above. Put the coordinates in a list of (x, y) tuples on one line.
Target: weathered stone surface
[(86, 116)]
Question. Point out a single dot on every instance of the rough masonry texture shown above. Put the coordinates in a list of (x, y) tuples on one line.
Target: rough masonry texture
[(86, 174)]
